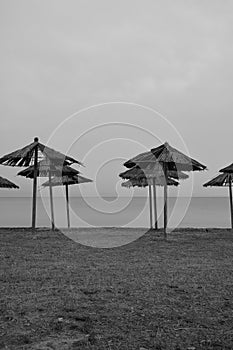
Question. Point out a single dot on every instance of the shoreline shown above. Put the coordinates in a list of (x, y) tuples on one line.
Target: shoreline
[(178, 229)]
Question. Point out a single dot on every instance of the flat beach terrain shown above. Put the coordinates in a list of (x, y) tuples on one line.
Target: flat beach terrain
[(149, 294)]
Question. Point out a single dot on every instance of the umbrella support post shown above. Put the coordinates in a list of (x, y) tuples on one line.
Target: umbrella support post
[(34, 187), (150, 204), (165, 202), (67, 205), (231, 204), (51, 201), (155, 205)]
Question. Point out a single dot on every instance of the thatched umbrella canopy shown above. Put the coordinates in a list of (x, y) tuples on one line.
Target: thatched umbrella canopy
[(4, 183), (228, 169), (224, 180), (23, 157), (31, 154), (135, 182), (168, 156), (170, 159), (143, 182), (151, 172), (221, 180), (46, 168), (67, 181)]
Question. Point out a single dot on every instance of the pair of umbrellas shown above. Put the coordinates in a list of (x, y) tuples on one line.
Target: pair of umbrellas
[(67, 181), (62, 176), (137, 177), (44, 161), (223, 180), (159, 162)]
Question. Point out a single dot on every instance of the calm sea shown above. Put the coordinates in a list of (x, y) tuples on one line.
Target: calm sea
[(130, 212)]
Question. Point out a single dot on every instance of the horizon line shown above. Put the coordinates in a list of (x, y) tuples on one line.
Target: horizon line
[(108, 196)]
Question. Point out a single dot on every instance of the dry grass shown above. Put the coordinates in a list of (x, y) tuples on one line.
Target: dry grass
[(152, 294)]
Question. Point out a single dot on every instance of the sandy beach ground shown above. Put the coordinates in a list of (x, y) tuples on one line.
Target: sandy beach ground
[(148, 294)]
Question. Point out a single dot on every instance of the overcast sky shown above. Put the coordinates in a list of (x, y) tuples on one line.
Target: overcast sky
[(59, 57)]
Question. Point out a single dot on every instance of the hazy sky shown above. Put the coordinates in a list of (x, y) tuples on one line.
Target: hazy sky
[(59, 57)]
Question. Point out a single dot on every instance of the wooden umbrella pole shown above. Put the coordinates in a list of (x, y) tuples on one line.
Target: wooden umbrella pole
[(51, 201), (155, 206), (67, 205), (35, 184), (150, 204), (231, 204), (165, 201)]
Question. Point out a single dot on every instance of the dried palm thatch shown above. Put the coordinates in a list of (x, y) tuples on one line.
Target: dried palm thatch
[(228, 169), (24, 156), (67, 181), (224, 180), (143, 182), (170, 159), (135, 182), (44, 167), (220, 180), (4, 183), (150, 172), (165, 154)]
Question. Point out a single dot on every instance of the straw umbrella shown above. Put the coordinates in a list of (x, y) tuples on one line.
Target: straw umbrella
[(4, 183), (229, 170), (170, 159), (154, 172), (224, 180), (66, 181), (47, 168), (143, 182), (31, 154)]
